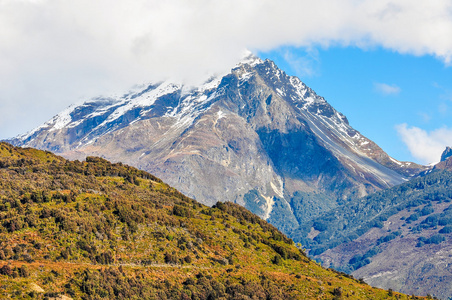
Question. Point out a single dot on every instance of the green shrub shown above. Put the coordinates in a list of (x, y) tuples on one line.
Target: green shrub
[(181, 211), (277, 260), (23, 271), (320, 226), (170, 258), (434, 239), (6, 270), (428, 209), (446, 229)]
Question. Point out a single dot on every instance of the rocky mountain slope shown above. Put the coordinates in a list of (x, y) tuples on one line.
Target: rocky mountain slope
[(445, 162), (96, 230), (400, 238), (255, 136)]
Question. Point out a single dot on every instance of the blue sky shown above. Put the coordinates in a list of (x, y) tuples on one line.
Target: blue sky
[(379, 90), (384, 64)]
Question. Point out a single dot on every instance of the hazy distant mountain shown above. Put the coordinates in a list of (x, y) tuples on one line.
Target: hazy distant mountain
[(255, 136)]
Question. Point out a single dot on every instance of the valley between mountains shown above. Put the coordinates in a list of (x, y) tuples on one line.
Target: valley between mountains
[(264, 140)]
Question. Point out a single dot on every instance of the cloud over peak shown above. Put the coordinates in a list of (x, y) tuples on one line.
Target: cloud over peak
[(174, 37), (55, 51), (423, 145)]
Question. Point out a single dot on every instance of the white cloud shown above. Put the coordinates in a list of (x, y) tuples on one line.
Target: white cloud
[(423, 145), (55, 52), (386, 89)]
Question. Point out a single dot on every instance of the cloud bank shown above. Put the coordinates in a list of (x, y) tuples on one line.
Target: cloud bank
[(54, 52), (423, 145)]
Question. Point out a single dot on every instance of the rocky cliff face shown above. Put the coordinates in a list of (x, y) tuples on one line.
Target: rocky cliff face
[(255, 136), (446, 160)]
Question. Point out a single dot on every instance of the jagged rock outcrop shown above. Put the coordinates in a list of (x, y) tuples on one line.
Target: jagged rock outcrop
[(446, 161), (446, 154)]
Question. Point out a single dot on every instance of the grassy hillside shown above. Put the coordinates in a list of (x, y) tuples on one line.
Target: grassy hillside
[(96, 230)]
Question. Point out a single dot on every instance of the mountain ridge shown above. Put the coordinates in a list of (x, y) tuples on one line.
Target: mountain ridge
[(255, 136), (397, 238)]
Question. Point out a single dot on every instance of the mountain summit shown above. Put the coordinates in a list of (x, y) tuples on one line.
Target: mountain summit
[(446, 154), (255, 136)]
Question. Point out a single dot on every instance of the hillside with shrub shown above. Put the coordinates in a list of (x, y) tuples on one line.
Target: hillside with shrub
[(97, 230), (356, 217), (398, 238)]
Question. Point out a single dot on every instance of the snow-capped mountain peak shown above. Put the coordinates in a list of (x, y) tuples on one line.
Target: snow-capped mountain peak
[(255, 136)]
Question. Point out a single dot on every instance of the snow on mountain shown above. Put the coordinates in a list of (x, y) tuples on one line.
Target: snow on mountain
[(255, 136)]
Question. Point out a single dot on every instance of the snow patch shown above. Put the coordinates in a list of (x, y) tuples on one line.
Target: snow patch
[(250, 59), (396, 161), (147, 99), (280, 92), (245, 76), (220, 114), (278, 191), (270, 202), (62, 119)]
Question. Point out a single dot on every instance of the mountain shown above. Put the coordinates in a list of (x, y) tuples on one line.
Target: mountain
[(446, 160), (446, 154), (399, 238), (97, 230), (256, 137)]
